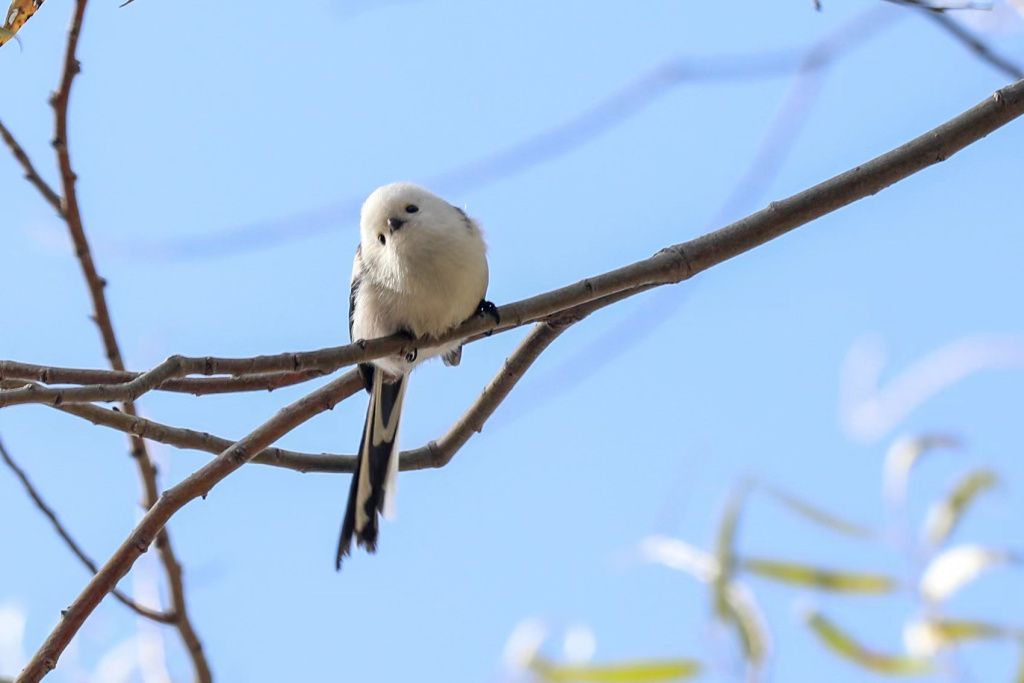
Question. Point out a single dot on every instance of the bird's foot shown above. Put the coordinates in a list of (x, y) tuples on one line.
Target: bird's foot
[(488, 308)]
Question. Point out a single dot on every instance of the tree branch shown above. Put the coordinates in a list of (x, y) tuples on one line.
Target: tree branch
[(674, 264), (13, 370), (150, 527), (161, 617), (976, 45), (96, 284), (31, 175), (677, 262)]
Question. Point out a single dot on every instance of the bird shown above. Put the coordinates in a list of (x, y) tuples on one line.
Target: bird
[(420, 270)]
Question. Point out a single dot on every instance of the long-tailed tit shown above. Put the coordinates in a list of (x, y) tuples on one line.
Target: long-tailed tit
[(420, 269)]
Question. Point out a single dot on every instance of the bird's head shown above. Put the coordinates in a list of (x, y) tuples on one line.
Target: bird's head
[(400, 212)]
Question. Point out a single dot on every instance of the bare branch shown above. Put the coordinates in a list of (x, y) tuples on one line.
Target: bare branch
[(680, 261), (976, 45), (14, 370), (150, 527), (49, 513), (31, 175), (96, 284), (674, 264)]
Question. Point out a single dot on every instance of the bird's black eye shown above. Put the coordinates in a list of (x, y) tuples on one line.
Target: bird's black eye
[(382, 239), (411, 208)]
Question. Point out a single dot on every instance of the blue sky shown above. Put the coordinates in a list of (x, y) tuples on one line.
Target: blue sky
[(200, 129)]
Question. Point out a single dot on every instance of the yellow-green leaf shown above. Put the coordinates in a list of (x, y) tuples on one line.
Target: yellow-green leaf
[(636, 671), (946, 514), (18, 13), (742, 611), (816, 577), (928, 636), (847, 647), (725, 553), (817, 515)]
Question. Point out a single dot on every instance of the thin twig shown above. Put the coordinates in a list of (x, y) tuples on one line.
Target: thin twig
[(96, 284), (976, 45), (14, 370), (682, 261), (31, 175), (48, 512)]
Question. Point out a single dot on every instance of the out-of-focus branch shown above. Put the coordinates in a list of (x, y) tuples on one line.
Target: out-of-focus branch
[(101, 316), (69, 540), (31, 175), (671, 265), (976, 45)]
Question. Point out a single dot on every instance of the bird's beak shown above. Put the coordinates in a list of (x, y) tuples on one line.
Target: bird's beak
[(395, 224)]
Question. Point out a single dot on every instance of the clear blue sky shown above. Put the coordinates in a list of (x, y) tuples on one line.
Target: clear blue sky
[(202, 130)]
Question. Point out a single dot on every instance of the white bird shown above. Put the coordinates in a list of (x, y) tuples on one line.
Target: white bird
[(420, 269)]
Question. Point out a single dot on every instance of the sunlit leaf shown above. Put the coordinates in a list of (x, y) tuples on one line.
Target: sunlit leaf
[(678, 554), (741, 611), (638, 671), (816, 577), (928, 636), (749, 623), (846, 646), (725, 553), (817, 515), (903, 455), (18, 13), (945, 515), (958, 566)]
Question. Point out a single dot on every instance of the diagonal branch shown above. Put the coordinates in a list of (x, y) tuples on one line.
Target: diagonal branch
[(976, 45), (681, 262), (677, 262), (96, 284), (48, 512), (31, 175), (149, 528)]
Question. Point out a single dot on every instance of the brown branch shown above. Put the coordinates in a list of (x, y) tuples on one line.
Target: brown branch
[(671, 265), (677, 262), (48, 512), (14, 370), (31, 175), (101, 316), (149, 529)]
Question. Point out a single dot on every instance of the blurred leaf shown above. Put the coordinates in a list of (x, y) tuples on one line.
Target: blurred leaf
[(953, 569), (678, 554), (744, 614), (817, 515), (639, 671), (844, 645), (815, 577), (725, 554), (1019, 678), (903, 455), (18, 13), (928, 636), (945, 515)]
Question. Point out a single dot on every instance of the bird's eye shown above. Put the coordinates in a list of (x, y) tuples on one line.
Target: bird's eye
[(411, 208), (382, 239)]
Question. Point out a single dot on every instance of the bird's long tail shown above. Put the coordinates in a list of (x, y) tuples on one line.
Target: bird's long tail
[(373, 480)]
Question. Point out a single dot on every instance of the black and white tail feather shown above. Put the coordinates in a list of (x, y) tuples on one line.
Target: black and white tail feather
[(376, 474)]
